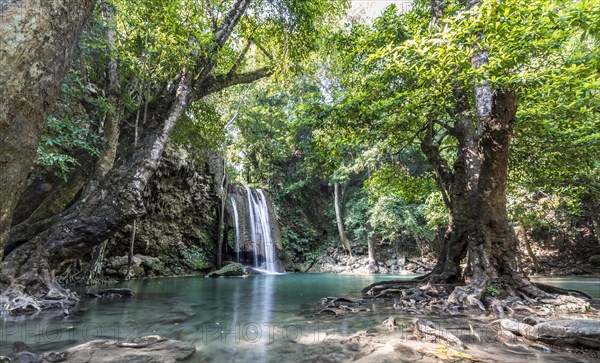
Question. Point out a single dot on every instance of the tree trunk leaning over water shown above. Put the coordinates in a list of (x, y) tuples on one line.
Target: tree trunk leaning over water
[(30, 270), (38, 39)]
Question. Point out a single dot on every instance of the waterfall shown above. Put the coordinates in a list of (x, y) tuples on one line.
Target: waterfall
[(256, 231), (260, 228), (236, 220)]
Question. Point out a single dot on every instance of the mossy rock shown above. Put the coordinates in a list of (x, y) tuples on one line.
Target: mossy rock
[(233, 269), (595, 260), (136, 271)]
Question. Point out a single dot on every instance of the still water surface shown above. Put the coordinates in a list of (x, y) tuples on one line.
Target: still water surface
[(221, 316), (231, 319)]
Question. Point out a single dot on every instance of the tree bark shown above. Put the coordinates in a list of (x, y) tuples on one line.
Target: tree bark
[(38, 39), (493, 254), (339, 219), (459, 188)]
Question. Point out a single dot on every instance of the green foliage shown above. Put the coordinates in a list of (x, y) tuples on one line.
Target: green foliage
[(397, 220), (195, 258), (298, 235), (356, 212), (201, 127), (71, 131), (435, 211), (388, 80), (374, 93), (492, 291)]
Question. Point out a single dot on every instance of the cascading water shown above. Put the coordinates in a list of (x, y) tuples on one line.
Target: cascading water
[(260, 229), (256, 230), (236, 220)]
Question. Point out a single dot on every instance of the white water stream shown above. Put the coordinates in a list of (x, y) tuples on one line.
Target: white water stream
[(264, 253)]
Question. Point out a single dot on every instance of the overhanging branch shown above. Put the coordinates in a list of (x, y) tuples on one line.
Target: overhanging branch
[(222, 81)]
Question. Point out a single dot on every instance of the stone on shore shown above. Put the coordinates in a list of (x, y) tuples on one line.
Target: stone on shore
[(233, 269)]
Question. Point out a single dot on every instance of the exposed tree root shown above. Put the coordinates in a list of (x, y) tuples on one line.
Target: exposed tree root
[(389, 323), (14, 301), (341, 305), (376, 288), (417, 262), (425, 329), (516, 294)]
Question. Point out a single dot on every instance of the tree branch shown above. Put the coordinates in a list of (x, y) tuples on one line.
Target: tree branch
[(239, 59), (262, 48), (217, 83), (230, 21)]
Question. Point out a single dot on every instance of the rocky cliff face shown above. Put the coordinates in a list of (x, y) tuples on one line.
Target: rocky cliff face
[(179, 232)]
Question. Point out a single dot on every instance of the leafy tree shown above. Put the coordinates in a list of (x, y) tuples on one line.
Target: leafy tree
[(448, 80)]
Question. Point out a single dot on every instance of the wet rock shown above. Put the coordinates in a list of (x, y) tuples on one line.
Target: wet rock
[(391, 262), (140, 265), (26, 357), (577, 271), (108, 351), (56, 356), (176, 234), (574, 332), (115, 293), (233, 269), (565, 304), (141, 342), (406, 353)]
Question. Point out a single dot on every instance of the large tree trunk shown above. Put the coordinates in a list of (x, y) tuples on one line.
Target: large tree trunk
[(493, 254), (116, 201), (38, 39), (459, 190)]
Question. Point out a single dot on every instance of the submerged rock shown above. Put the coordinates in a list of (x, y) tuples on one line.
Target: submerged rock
[(109, 351), (116, 293), (233, 269)]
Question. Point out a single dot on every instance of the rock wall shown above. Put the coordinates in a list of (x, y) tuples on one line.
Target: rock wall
[(179, 232)]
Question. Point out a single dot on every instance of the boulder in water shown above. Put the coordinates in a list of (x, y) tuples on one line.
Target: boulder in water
[(233, 269)]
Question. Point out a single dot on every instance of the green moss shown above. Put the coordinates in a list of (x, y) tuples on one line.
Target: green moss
[(233, 269), (195, 259)]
